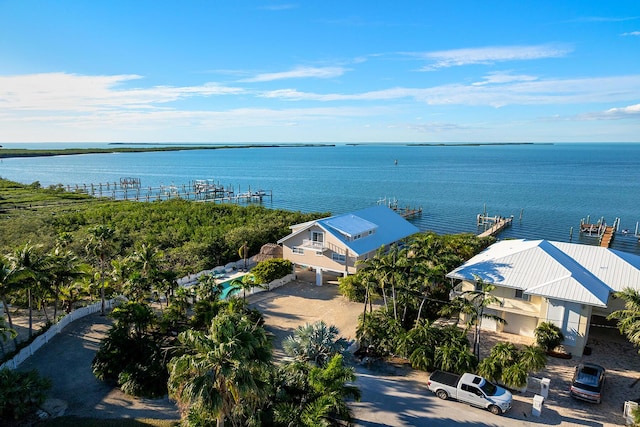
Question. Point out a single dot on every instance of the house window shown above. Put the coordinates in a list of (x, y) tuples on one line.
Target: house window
[(338, 257), (297, 250), (317, 236), (478, 287), (521, 295)]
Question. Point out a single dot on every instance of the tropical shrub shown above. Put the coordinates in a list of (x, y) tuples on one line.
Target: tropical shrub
[(20, 394), (310, 396), (548, 336), (510, 365), (131, 355), (315, 343), (378, 333), (271, 269), (351, 288)]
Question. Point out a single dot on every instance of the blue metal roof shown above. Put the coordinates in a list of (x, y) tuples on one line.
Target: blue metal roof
[(388, 227), (350, 224)]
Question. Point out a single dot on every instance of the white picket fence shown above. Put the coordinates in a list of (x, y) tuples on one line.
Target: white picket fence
[(55, 329)]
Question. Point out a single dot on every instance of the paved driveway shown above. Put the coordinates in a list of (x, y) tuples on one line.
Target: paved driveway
[(391, 396), (66, 359)]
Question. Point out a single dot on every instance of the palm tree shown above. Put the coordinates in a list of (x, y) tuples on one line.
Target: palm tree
[(453, 357), (374, 270), (473, 304), (315, 343), (533, 358), (222, 370), (247, 282), (65, 269), (209, 288), (31, 266), (147, 259), (629, 317), (100, 245), (73, 292), (7, 284), (548, 336), (330, 386)]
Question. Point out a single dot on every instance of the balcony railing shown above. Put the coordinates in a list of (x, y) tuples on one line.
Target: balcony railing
[(319, 246)]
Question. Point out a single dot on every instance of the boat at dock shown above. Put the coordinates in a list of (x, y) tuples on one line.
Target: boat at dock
[(600, 229)]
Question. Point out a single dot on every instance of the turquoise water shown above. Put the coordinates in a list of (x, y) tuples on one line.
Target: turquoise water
[(551, 186)]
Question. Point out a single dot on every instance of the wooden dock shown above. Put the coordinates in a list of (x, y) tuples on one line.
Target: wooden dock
[(405, 212), (607, 237), (198, 190), (600, 229), (495, 223)]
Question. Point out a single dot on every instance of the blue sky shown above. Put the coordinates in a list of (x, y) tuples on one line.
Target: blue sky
[(319, 71)]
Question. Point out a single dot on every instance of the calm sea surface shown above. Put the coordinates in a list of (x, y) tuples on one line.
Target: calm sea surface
[(547, 188)]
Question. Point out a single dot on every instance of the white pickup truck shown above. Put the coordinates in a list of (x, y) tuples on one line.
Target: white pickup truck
[(471, 389)]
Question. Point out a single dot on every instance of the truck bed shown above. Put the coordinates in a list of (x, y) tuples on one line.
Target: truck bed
[(445, 378)]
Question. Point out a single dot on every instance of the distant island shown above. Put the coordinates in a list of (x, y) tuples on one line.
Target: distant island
[(6, 153)]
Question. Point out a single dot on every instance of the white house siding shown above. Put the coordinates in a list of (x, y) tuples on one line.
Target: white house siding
[(572, 318), (519, 324)]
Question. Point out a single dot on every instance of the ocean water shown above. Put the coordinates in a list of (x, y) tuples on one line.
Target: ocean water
[(548, 188)]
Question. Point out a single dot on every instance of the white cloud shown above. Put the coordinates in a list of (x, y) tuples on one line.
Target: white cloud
[(632, 33), (62, 92), (520, 90), (489, 55), (631, 111), (501, 77), (299, 73)]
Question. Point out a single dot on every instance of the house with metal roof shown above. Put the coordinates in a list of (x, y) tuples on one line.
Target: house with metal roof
[(542, 281), (336, 243)]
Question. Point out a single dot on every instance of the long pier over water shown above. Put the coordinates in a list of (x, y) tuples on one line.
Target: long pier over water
[(495, 224), (197, 190)]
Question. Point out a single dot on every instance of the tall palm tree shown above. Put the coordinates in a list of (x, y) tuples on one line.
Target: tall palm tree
[(383, 270), (100, 245), (65, 269), (222, 369), (32, 267), (147, 259), (473, 304)]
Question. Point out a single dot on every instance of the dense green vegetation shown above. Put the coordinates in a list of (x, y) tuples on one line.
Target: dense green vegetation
[(193, 236), (404, 291), (20, 394)]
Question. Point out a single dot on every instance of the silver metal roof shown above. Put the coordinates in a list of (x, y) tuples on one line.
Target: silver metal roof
[(566, 271)]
